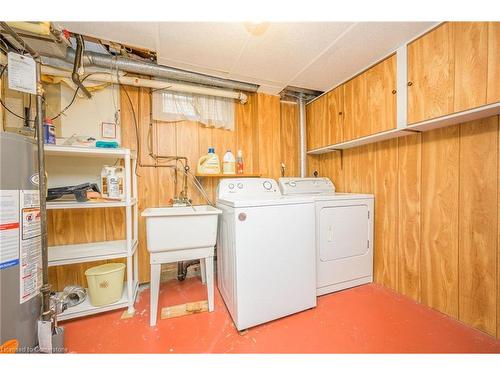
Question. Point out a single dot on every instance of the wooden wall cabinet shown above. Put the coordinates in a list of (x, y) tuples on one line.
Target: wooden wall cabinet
[(381, 84), (452, 69), (356, 108), (318, 129), (335, 100)]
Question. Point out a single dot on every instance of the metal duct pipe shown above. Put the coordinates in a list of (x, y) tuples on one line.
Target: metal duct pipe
[(157, 85), (302, 132), (150, 69)]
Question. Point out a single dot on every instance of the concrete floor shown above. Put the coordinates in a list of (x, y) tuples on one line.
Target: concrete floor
[(366, 319)]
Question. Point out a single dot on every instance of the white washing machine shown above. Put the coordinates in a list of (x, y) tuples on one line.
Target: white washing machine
[(344, 233), (266, 263)]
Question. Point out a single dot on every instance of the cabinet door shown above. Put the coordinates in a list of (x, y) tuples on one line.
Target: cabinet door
[(431, 75), (322, 118), (493, 89), (381, 83), (471, 54), (356, 108), (336, 115)]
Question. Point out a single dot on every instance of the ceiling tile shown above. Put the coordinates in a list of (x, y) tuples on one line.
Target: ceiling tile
[(213, 45), (135, 34), (286, 48), (361, 46)]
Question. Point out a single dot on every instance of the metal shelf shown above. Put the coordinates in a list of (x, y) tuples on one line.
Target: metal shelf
[(85, 308), (88, 252), (57, 205)]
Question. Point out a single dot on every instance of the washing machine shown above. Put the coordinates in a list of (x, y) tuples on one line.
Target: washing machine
[(344, 233), (266, 263)]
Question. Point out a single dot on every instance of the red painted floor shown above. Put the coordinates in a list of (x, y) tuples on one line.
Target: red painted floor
[(366, 319)]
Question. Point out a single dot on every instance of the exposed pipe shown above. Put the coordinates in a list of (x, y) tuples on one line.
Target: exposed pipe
[(100, 60), (77, 63), (302, 131), (158, 85)]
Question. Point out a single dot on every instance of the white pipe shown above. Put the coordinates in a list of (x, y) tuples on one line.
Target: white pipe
[(302, 132), (159, 85)]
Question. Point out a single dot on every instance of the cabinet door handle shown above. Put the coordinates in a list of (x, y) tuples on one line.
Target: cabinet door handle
[(394, 91), (410, 83), (340, 113)]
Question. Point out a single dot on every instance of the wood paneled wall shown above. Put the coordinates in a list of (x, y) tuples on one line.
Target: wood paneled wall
[(436, 215), (265, 131)]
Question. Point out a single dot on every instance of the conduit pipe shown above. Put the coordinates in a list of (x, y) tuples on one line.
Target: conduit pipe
[(94, 59), (157, 85), (302, 132)]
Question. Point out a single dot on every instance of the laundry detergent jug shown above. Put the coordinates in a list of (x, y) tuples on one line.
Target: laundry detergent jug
[(209, 163)]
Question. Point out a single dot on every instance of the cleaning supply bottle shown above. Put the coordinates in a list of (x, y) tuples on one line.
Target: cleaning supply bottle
[(239, 162), (229, 166), (49, 132), (209, 163), (113, 183)]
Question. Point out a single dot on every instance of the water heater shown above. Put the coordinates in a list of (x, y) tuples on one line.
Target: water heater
[(20, 241)]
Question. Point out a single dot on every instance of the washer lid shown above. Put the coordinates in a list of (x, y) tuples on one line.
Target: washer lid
[(306, 185), (260, 202)]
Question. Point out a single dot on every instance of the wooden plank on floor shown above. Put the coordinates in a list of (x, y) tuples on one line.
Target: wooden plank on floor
[(184, 309), (439, 251), (478, 223), (409, 184)]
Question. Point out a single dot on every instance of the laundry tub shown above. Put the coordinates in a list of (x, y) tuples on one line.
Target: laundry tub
[(176, 228), (177, 234), (105, 283)]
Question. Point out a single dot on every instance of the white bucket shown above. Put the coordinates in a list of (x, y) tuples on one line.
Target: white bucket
[(105, 283)]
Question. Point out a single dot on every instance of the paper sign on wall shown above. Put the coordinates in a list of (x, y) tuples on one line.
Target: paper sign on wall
[(22, 73)]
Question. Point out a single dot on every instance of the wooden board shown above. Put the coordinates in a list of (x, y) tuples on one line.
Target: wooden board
[(381, 86), (471, 54), (386, 213), (290, 138), (431, 73), (493, 85), (409, 194), (184, 309), (332, 167), (269, 125), (478, 223), (439, 246)]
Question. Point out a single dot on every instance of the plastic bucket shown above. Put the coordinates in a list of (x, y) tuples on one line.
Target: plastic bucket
[(105, 283)]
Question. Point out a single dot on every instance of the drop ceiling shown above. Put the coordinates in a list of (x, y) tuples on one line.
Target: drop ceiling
[(312, 55)]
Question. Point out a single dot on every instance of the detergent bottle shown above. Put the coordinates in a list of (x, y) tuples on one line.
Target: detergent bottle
[(229, 166), (209, 163)]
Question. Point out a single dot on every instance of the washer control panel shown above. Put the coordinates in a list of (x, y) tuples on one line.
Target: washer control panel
[(251, 188), (306, 185)]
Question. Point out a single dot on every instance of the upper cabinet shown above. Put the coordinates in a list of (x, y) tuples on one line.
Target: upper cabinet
[(381, 85), (493, 88), (453, 68), (318, 129), (335, 100), (471, 56), (430, 75), (356, 108)]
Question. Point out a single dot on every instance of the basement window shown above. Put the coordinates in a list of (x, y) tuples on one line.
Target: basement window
[(210, 111)]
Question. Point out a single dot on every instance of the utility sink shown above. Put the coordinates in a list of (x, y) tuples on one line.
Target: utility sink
[(178, 228)]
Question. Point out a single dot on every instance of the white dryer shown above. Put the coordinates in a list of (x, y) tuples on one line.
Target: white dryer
[(344, 233), (266, 263)]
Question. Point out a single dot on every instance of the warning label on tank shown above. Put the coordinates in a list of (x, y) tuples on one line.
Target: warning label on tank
[(30, 244), (9, 228)]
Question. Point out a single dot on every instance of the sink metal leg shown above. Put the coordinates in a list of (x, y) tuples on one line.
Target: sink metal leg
[(209, 278), (155, 289)]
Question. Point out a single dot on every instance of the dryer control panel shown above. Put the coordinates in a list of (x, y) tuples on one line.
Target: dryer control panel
[(243, 188), (306, 185)]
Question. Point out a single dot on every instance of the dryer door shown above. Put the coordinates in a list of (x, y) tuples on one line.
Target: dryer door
[(343, 232)]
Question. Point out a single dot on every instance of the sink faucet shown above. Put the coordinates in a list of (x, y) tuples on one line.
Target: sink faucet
[(182, 199)]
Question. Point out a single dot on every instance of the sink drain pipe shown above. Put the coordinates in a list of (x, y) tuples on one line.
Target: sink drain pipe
[(302, 132)]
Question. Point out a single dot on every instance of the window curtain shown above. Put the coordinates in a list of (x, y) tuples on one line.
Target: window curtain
[(210, 111)]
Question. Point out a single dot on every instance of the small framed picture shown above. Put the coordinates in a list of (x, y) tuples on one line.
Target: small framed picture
[(108, 130)]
